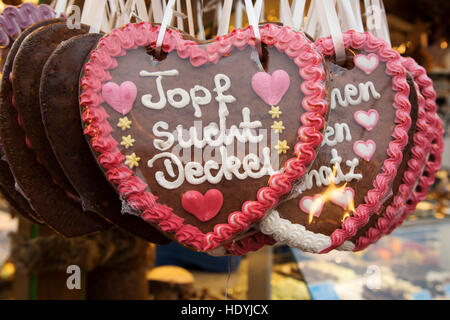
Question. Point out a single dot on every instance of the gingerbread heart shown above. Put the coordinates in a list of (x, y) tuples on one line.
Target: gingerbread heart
[(357, 171), (201, 121), (426, 158)]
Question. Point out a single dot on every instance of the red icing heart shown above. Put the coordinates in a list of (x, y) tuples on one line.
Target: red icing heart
[(203, 207), (120, 98)]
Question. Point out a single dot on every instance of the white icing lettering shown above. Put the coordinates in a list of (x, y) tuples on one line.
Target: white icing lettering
[(354, 95)]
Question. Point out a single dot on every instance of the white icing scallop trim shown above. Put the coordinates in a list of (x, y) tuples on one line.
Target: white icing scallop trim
[(296, 235)]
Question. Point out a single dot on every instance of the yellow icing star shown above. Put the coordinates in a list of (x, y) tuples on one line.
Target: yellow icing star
[(275, 112), (278, 126), (124, 123), (282, 147), (127, 141), (132, 160)]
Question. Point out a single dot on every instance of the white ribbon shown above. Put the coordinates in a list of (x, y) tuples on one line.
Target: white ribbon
[(92, 10), (376, 21), (253, 13), (168, 14), (311, 20), (297, 14), (224, 21), (201, 28), (157, 11), (292, 16), (190, 18), (356, 7), (346, 15), (330, 26), (60, 7), (238, 14)]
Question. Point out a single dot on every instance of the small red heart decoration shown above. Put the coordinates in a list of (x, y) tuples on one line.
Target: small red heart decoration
[(203, 207)]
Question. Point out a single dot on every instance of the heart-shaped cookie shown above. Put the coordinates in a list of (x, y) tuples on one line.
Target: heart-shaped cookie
[(198, 124), (426, 156), (357, 171)]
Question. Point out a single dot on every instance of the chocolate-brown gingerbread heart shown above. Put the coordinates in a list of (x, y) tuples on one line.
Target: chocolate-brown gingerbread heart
[(139, 111), (61, 117), (364, 154), (52, 203)]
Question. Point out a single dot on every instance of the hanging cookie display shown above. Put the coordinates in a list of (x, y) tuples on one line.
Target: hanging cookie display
[(13, 21), (201, 140), (61, 118), (58, 207), (364, 154)]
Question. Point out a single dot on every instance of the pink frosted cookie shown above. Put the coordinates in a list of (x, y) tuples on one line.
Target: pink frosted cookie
[(364, 154), (202, 141)]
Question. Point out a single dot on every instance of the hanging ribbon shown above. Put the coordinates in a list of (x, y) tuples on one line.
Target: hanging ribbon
[(346, 15), (238, 14), (253, 13), (376, 21), (168, 14), (190, 18), (201, 28), (92, 10), (311, 20), (292, 16), (356, 7), (157, 11), (60, 7), (224, 21), (330, 26)]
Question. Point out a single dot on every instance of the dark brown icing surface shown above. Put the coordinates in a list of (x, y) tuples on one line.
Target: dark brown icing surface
[(61, 116), (332, 215), (240, 68)]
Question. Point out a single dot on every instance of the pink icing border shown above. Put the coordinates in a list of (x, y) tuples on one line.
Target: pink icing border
[(294, 44), (429, 128), (382, 181)]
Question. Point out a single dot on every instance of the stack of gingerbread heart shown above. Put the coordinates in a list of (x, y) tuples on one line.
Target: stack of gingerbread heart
[(223, 146)]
